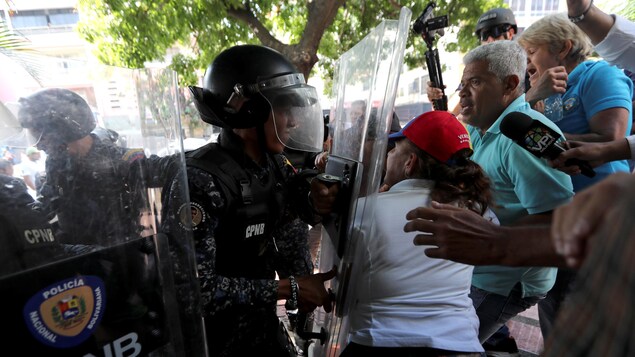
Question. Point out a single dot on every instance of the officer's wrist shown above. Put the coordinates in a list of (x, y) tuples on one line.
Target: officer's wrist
[(294, 290)]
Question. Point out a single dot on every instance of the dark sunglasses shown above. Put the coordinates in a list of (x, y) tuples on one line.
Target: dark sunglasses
[(495, 32)]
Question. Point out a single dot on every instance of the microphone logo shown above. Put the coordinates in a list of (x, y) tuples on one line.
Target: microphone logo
[(540, 138)]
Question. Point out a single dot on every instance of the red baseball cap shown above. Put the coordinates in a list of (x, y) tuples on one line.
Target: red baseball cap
[(438, 133)]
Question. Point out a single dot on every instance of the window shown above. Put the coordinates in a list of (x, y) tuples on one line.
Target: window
[(551, 5), (543, 7), (44, 18), (61, 17), (516, 6), (413, 88), (25, 19)]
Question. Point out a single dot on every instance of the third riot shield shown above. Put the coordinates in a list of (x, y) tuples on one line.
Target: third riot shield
[(365, 87), (89, 266)]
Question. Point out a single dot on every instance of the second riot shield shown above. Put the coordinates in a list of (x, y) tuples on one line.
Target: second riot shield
[(88, 267), (365, 86)]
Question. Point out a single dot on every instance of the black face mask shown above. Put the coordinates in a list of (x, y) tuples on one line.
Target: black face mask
[(494, 31)]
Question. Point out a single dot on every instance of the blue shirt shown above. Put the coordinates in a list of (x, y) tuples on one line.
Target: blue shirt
[(594, 86), (523, 184)]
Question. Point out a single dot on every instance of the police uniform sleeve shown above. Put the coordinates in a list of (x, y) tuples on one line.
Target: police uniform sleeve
[(293, 256), (157, 171), (299, 186)]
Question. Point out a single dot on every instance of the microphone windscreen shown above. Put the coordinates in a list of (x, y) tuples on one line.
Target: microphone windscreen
[(515, 125)]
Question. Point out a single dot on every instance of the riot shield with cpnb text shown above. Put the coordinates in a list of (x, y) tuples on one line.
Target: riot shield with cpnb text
[(365, 86), (87, 268)]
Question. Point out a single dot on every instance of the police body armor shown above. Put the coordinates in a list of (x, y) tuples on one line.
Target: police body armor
[(101, 182), (28, 239), (254, 206)]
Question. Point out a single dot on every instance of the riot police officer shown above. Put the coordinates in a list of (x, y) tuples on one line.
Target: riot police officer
[(496, 24), (90, 185), (244, 196)]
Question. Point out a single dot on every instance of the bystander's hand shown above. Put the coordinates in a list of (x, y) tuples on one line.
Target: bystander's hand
[(312, 293), (539, 106), (434, 93), (320, 161), (595, 153), (573, 224), (456, 234), (552, 81)]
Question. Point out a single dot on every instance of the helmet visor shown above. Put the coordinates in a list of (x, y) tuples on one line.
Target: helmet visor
[(297, 116), (51, 143)]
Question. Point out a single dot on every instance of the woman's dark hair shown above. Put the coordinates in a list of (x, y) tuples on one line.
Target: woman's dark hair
[(461, 181)]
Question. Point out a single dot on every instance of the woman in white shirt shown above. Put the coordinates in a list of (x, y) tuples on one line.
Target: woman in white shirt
[(408, 304)]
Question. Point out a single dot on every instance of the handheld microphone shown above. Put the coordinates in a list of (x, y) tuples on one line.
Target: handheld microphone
[(538, 139)]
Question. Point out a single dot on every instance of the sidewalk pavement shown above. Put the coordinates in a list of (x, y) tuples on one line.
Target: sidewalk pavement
[(526, 330)]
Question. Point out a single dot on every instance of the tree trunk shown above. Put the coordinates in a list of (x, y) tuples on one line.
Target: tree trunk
[(321, 14)]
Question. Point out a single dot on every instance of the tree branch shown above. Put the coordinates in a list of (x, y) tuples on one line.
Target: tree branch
[(321, 15), (245, 15), (395, 4)]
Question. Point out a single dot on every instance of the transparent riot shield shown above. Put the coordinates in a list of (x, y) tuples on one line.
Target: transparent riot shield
[(88, 265), (366, 85)]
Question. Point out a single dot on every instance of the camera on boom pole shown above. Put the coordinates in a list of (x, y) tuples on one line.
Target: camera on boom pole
[(429, 27)]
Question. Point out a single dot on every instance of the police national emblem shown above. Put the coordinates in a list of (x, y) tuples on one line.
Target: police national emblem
[(66, 313), (195, 211)]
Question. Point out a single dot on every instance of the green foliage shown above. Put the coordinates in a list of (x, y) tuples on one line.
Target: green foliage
[(18, 49), (186, 67), (10, 40), (629, 10), (130, 33)]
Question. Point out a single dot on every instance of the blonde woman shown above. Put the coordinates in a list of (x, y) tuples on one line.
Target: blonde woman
[(596, 97)]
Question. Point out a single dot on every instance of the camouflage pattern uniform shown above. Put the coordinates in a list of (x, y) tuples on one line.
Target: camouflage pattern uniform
[(239, 308)]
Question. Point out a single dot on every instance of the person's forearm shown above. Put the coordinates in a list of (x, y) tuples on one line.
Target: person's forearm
[(531, 97), (630, 141), (618, 149), (593, 137), (596, 23), (284, 289), (529, 246), (28, 182)]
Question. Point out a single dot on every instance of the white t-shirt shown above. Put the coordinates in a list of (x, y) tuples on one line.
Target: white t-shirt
[(402, 297), (618, 47), (30, 168)]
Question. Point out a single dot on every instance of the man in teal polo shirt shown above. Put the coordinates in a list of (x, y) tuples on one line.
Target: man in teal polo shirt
[(526, 189)]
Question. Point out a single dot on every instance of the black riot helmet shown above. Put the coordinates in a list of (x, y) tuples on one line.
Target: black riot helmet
[(495, 17), (56, 117), (246, 84)]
